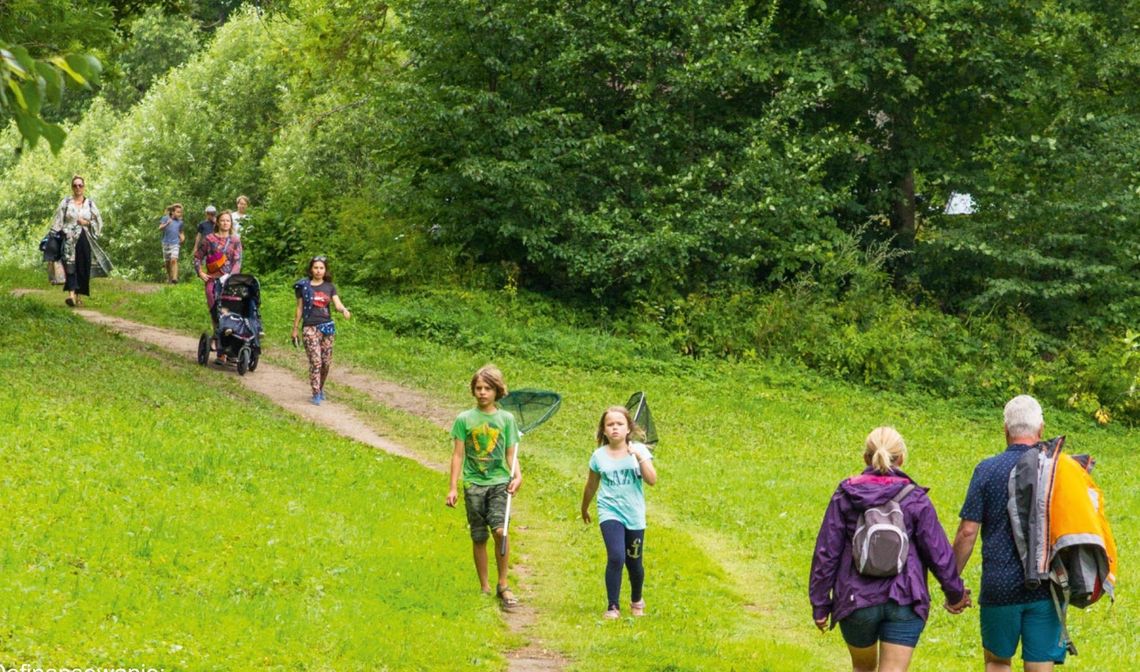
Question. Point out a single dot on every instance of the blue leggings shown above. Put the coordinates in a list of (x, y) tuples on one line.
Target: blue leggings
[(623, 547)]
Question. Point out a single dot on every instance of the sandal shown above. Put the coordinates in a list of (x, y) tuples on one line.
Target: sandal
[(69, 301), (506, 597)]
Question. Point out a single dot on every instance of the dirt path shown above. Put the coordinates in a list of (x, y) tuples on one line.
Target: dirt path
[(274, 382), (290, 392)]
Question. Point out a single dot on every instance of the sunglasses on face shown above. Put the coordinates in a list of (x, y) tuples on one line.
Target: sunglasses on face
[(77, 185)]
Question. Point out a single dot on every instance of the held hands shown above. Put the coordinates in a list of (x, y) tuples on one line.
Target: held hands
[(452, 497), (962, 605)]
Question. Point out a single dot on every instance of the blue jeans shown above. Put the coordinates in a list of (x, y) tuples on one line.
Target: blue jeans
[(888, 623)]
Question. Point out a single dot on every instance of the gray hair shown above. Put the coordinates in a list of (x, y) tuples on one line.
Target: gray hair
[(1023, 416)]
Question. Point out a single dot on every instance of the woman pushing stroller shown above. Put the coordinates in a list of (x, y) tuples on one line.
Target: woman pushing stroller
[(218, 254)]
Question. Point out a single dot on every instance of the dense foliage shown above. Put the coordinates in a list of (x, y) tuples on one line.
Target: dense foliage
[(756, 180)]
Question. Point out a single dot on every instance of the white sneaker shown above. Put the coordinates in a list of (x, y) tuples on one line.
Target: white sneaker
[(612, 614), (637, 608)]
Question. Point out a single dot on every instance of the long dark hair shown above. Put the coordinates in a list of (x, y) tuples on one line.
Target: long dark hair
[(324, 260)]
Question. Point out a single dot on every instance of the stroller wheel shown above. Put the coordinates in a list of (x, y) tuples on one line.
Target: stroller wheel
[(253, 362), (243, 360), (203, 349)]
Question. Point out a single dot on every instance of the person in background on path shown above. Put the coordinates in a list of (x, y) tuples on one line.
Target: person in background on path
[(1010, 612), (172, 239), (80, 221), (485, 440), (881, 617), (619, 466), (240, 214), (218, 254), (206, 226), (314, 319)]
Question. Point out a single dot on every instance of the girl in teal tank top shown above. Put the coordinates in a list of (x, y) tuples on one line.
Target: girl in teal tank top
[(619, 467)]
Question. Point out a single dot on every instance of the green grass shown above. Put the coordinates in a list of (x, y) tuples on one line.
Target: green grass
[(749, 455), (156, 514)]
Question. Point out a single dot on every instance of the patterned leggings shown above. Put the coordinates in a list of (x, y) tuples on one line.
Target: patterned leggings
[(318, 347)]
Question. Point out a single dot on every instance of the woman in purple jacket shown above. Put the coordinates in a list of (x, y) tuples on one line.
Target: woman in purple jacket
[(881, 618)]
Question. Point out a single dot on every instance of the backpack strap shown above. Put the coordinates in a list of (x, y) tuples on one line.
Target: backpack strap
[(903, 493), (1061, 604)]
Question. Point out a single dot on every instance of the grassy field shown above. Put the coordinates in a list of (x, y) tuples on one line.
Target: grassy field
[(749, 455), (156, 516)]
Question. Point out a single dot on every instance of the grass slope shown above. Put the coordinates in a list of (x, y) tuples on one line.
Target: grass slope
[(749, 456), (158, 516)]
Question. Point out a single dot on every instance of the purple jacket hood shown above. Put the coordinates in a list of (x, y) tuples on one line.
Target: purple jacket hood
[(837, 589)]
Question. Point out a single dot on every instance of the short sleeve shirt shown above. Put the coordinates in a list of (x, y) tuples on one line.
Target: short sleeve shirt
[(486, 438), (205, 227), (170, 235), (621, 496), (322, 297), (1003, 576)]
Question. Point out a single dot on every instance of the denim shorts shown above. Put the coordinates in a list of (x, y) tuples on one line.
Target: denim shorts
[(486, 508), (888, 623), (1034, 623)]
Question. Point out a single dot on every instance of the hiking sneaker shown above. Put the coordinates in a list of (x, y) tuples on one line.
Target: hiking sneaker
[(612, 614), (637, 608), (321, 394), (316, 400)]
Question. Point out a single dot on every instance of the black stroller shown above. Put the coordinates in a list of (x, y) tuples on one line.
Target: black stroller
[(236, 315)]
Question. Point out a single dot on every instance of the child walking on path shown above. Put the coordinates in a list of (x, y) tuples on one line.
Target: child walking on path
[(485, 440), (172, 239), (619, 466), (313, 317)]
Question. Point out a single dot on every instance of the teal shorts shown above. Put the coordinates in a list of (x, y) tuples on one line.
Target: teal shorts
[(1035, 624)]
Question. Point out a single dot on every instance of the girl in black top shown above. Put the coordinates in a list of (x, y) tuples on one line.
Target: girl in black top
[(315, 295)]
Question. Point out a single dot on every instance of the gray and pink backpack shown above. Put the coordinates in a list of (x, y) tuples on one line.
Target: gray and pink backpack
[(881, 544)]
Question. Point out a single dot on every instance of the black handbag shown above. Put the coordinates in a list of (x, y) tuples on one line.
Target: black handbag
[(52, 246)]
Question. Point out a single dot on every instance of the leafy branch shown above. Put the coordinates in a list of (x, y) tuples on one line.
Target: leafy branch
[(27, 84)]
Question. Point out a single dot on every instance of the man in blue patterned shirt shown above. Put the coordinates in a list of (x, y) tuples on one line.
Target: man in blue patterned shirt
[(1010, 612)]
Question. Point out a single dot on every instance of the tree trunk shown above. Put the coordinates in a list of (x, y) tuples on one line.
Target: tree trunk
[(904, 227), (903, 223)]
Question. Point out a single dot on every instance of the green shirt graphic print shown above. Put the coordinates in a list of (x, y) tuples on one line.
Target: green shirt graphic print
[(485, 437)]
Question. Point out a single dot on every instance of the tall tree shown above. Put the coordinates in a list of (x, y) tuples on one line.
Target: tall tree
[(620, 149), (920, 83)]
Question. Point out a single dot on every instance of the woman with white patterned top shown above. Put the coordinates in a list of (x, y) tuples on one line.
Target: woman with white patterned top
[(81, 223)]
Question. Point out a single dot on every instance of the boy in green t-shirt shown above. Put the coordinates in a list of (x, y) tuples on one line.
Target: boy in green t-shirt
[(485, 439)]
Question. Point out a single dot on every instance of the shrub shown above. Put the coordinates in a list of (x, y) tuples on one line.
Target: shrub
[(198, 137), (34, 184)]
